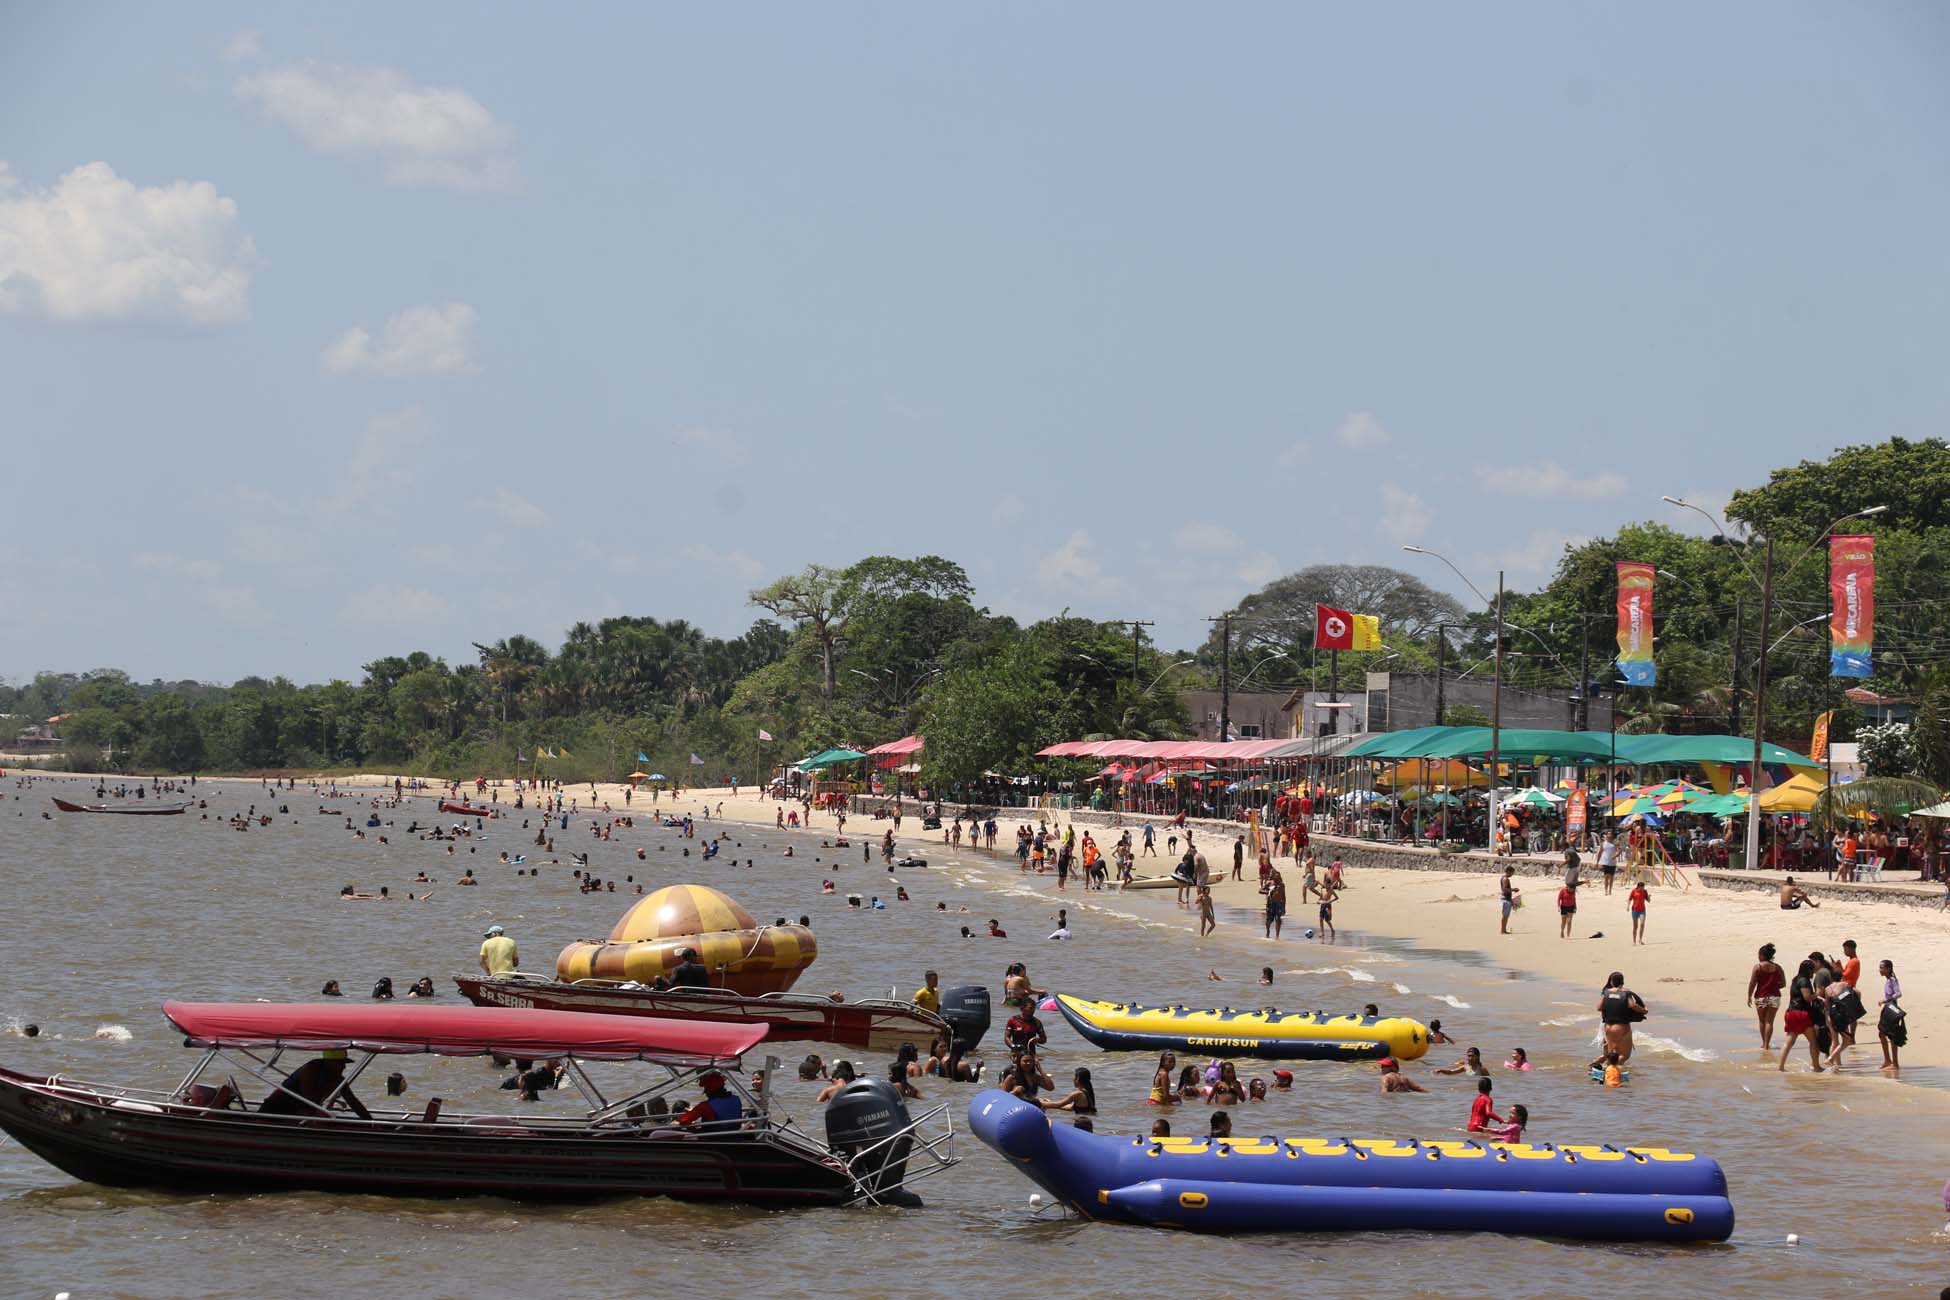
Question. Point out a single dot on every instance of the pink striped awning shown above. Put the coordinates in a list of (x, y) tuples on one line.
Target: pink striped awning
[(905, 745)]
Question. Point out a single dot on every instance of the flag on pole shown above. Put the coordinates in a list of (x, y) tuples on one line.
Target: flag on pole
[(696, 761), (1337, 629), (763, 734), (642, 757), (1635, 624), (562, 751), (1818, 747), (520, 757), (1852, 583)]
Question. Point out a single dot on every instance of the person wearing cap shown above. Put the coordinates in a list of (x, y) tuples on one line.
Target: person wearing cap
[(307, 1089), (1283, 1080), (498, 954), (690, 972), (721, 1106)]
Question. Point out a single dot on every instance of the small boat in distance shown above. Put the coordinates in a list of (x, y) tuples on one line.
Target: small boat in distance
[(465, 809), (127, 809), (877, 1024), (310, 1132)]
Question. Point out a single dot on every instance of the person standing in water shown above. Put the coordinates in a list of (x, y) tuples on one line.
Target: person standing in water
[(1619, 1008), (1764, 985)]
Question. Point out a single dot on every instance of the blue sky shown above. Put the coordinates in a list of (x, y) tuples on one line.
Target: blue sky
[(335, 332)]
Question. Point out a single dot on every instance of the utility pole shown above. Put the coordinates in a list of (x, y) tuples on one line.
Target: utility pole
[(1441, 649), (1760, 708), (1733, 698), (1496, 716), (1225, 682), (1137, 642), (1583, 720), (1225, 674)]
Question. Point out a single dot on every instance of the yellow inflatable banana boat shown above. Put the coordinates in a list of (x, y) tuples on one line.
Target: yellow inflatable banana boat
[(1267, 1034)]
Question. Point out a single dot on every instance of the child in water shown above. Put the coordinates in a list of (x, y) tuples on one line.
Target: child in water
[(1512, 1131), (1518, 1060)]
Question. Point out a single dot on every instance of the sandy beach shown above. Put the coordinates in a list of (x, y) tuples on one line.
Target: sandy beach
[(1700, 943)]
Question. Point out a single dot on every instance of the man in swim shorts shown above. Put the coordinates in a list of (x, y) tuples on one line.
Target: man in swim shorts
[(1508, 889), (1275, 904), (1793, 896)]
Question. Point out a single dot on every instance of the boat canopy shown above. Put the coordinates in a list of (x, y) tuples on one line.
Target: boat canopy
[(462, 1031)]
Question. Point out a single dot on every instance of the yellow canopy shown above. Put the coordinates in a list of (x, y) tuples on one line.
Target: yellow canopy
[(1796, 794), (1450, 773)]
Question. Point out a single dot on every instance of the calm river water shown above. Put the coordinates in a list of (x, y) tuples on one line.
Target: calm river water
[(108, 916)]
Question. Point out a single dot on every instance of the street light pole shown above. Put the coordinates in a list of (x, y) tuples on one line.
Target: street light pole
[(1496, 714), (1760, 709)]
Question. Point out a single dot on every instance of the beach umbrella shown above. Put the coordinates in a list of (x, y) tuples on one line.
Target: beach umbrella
[(1533, 799), (638, 776), (1939, 811)]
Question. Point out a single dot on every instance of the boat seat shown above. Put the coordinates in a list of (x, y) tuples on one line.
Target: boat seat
[(432, 1111)]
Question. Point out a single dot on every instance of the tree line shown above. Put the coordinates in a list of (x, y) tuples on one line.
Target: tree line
[(889, 645)]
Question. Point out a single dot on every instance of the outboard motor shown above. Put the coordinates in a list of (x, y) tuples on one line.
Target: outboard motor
[(864, 1112), (966, 1009)]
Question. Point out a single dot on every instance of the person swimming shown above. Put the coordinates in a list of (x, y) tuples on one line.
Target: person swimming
[(1518, 1060)]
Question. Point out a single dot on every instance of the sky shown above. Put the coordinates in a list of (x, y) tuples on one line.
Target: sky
[(333, 332)]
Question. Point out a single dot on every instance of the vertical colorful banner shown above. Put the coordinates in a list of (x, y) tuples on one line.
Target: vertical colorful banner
[(1635, 624), (1576, 811), (1818, 745), (1852, 584)]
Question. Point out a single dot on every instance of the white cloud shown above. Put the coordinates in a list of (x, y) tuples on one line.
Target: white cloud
[(1206, 538), (739, 568), (1361, 431), (1548, 479), (512, 509), (417, 341), (397, 604), (430, 136), (168, 562), (382, 463), (242, 48), (1074, 561), (1404, 516), (1536, 556), (98, 247), (727, 447), (1296, 455), (1260, 568)]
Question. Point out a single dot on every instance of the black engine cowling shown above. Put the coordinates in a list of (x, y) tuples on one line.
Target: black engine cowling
[(865, 1112), (966, 1009)]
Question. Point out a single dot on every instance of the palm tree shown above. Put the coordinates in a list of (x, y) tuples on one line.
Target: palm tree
[(1888, 797)]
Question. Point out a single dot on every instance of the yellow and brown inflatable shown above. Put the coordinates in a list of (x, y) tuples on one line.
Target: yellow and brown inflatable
[(742, 955)]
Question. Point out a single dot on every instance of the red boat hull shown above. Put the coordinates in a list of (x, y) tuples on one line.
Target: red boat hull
[(464, 809), (875, 1025)]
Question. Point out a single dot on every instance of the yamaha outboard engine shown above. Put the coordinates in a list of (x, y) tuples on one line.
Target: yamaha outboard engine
[(966, 1009), (865, 1112)]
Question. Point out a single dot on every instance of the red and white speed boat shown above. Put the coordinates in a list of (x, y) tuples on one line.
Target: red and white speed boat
[(465, 809)]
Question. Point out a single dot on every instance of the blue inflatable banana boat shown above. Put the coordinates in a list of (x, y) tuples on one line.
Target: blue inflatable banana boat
[(1269, 1184), (1267, 1034)]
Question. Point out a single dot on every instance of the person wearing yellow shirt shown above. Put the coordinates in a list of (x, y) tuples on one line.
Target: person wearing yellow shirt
[(928, 997), (498, 954)]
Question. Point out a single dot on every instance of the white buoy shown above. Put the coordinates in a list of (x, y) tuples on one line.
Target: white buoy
[(1035, 1200), (1794, 1239)]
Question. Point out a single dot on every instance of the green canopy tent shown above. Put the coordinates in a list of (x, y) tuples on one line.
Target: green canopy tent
[(828, 757)]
